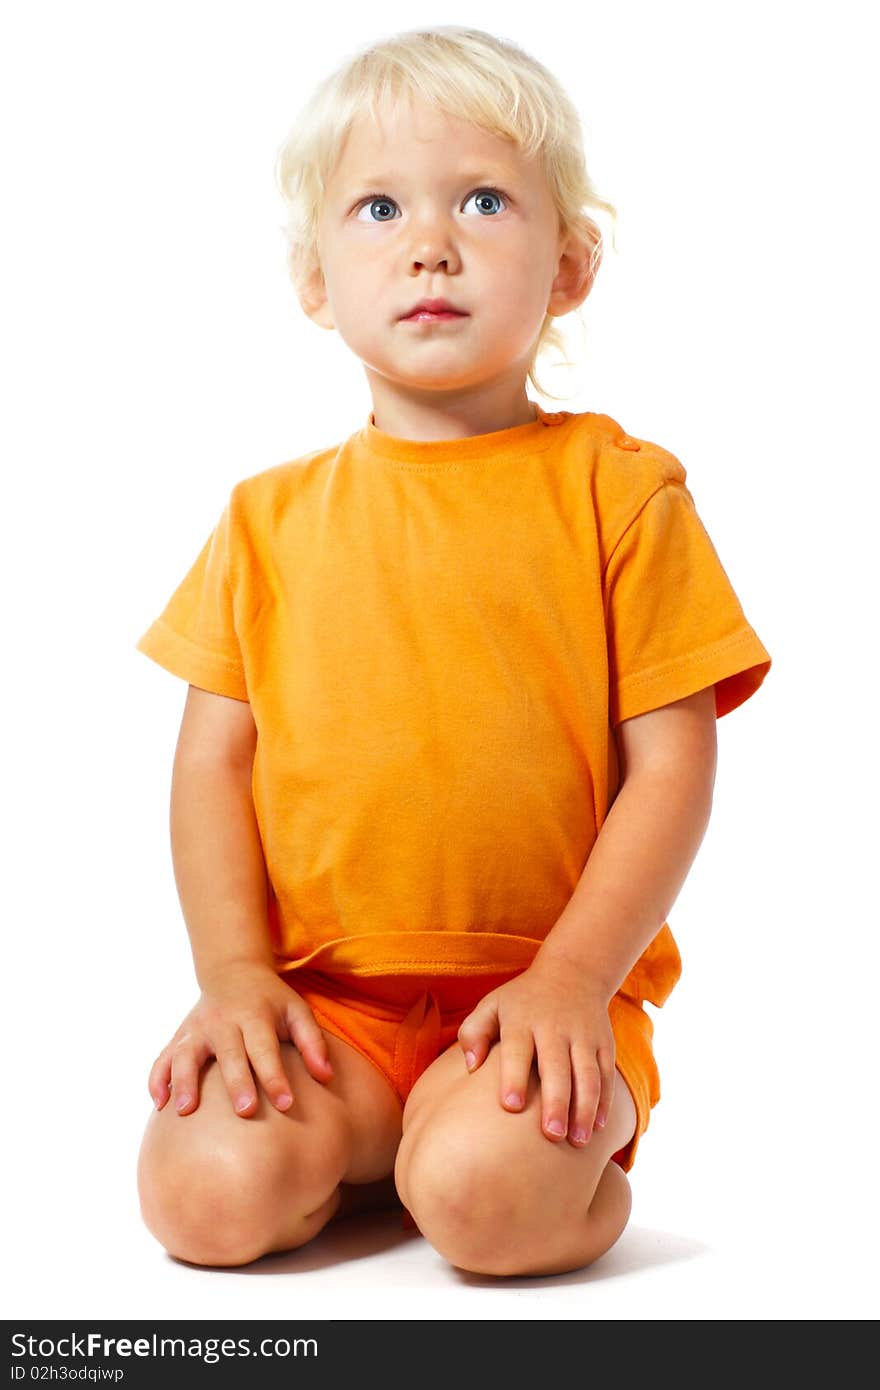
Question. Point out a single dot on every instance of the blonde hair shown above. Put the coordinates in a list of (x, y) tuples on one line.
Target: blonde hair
[(467, 73)]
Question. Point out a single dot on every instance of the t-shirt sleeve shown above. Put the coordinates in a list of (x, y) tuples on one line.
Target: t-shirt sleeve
[(195, 636), (674, 623)]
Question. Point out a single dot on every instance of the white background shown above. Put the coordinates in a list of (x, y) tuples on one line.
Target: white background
[(154, 353)]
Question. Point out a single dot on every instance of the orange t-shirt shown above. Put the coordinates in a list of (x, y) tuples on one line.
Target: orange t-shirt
[(437, 639)]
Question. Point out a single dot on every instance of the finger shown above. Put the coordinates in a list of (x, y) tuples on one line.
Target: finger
[(187, 1059), (264, 1051), (159, 1080), (517, 1048), (478, 1032), (235, 1069), (606, 1057), (586, 1091), (308, 1039), (554, 1069)]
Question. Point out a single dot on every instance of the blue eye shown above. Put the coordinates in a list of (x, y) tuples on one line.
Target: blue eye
[(378, 201), (386, 204), (486, 193)]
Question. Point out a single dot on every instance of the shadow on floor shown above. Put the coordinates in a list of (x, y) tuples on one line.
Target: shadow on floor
[(363, 1235), (357, 1237), (637, 1249)]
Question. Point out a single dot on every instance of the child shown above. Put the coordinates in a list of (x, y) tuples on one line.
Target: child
[(448, 749)]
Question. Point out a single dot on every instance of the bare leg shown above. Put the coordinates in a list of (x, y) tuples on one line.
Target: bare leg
[(491, 1192), (216, 1189)]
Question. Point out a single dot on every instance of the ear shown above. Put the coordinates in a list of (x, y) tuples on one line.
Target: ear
[(312, 294), (574, 278)]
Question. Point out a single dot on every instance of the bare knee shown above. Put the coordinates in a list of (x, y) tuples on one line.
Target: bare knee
[(229, 1200), (485, 1213), (460, 1200)]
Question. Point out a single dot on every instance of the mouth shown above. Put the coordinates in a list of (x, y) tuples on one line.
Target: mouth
[(427, 316), (433, 311)]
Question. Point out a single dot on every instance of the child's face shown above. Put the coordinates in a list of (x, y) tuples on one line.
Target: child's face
[(463, 217)]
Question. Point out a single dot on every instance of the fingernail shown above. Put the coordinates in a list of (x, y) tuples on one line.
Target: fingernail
[(555, 1127), (600, 1121), (242, 1103), (579, 1136), (470, 1058), (513, 1099), (182, 1102), (284, 1101)]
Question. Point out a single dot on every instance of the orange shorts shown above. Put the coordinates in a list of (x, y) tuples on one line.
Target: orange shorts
[(401, 1023)]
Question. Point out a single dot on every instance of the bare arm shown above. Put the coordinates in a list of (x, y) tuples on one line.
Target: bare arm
[(647, 843), (215, 842), (557, 1010), (245, 1010)]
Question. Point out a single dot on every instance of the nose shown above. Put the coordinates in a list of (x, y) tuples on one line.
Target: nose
[(433, 243), (429, 260)]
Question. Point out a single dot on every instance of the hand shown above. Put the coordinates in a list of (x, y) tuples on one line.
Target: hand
[(548, 1012), (243, 1015)]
